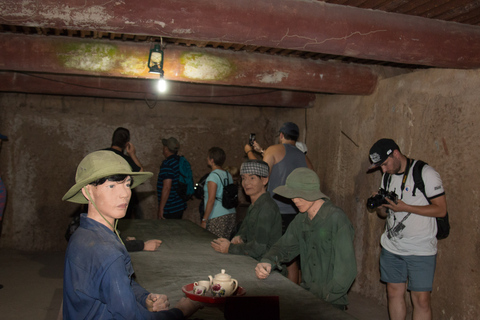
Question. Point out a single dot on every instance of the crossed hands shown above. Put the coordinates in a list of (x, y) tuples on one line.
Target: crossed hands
[(157, 302), (221, 245)]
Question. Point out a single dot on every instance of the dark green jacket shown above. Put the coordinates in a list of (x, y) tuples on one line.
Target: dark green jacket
[(327, 256), (260, 229)]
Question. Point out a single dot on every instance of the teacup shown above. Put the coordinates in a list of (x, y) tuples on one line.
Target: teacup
[(199, 290), (204, 283)]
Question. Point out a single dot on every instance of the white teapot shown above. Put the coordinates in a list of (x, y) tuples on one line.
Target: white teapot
[(223, 285)]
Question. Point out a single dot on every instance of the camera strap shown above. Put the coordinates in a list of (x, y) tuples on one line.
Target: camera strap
[(404, 180), (402, 187)]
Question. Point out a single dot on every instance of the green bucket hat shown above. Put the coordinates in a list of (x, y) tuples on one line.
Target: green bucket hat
[(301, 183), (97, 165)]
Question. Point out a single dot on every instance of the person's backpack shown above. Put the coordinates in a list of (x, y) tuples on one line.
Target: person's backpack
[(443, 225), (230, 192), (199, 186), (199, 192), (185, 179)]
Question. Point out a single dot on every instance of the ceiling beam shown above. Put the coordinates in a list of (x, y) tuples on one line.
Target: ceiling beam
[(64, 55), (288, 24), (141, 89)]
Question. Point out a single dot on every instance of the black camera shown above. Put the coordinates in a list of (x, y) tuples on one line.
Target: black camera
[(251, 140), (380, 198)]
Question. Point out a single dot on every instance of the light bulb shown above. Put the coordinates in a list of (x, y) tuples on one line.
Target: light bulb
[(162, 85)]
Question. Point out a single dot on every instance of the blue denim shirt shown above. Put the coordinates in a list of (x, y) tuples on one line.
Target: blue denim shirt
[(98, 280)]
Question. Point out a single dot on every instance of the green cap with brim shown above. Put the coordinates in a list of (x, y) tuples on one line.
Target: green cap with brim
[(97, 165), (301, 183)]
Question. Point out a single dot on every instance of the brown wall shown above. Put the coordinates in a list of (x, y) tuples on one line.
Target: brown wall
[(48, 136), (433, 115)]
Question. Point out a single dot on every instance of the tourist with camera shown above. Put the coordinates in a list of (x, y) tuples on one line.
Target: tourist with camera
[(409, 243)]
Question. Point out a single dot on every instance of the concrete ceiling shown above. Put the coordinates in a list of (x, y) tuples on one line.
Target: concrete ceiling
[(242, 52)]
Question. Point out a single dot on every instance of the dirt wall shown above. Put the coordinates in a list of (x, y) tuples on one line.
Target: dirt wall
[(49, 135), (433, 115)]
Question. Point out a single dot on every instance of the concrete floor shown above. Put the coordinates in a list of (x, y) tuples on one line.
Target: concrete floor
[(32, 288)]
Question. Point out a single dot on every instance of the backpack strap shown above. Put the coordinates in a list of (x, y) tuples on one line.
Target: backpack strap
[(385, 180), (180, 163), (417, 178), (227, 179), (223, 185), (219, 199)]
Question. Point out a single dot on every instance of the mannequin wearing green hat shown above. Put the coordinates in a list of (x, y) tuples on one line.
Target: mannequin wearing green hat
[(98, 271), (323, 237)]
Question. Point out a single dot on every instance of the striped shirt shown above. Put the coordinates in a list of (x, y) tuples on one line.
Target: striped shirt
[(170, 170)]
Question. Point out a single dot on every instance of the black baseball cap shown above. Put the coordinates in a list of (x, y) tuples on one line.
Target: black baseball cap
[(380, 151), (291, 129)]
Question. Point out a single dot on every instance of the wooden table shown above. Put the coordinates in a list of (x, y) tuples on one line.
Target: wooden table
[(186, 256)]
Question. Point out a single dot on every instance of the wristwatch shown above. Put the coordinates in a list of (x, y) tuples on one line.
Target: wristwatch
[(204, 219)]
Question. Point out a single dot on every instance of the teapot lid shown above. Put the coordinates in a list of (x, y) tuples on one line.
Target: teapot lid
[(222, 276)]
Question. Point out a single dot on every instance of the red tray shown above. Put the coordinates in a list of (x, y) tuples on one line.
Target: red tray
[(208, 299)]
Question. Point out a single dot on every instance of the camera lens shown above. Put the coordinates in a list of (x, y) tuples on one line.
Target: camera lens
[(375, 201)]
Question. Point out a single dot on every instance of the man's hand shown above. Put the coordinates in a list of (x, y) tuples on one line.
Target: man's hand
[(151, 245), (221, 245), (262, 270), (188, 307), (130, 148), (257, 147), (160, 214), (249, 152), (157, 302), (396, 207), (237, 240), (437, 208), (167, 186)]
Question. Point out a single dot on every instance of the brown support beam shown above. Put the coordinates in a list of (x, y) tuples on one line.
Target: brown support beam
[(65, 55), (140, 89), (287, 24)]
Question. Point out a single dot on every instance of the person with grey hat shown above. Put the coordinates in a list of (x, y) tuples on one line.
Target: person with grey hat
[(98, 271), (170, 204), (262, 226), (409, 244), (282, 159), (323, 237)]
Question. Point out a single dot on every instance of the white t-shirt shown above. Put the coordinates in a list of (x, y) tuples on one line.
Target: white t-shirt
[(419, 235)]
